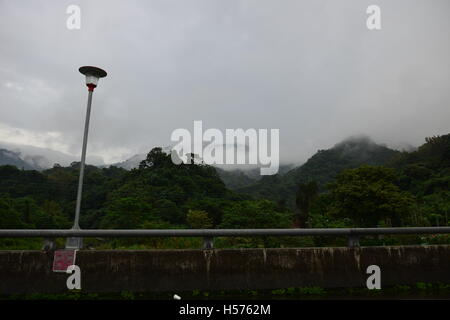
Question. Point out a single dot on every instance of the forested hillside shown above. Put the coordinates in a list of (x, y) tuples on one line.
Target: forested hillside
[(156, 193), (355, 184), (322, 168)]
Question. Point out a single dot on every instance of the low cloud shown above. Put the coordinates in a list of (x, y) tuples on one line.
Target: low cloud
[(309, 68)]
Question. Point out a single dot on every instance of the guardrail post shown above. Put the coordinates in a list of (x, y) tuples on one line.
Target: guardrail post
[(208, 243), (353, 241), (49, 244)]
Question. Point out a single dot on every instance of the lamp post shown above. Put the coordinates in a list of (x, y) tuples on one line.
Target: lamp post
[(93, 74)]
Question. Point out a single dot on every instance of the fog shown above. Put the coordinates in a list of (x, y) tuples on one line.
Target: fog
[(311, 69)]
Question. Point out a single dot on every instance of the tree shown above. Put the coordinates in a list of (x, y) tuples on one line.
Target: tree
[(126, 213), (56, 218), (306, 194), (368, 195), (32, 215), (9, 218), (167, 210), (436, 208), (156, 158), (199, 219), (254, 214)]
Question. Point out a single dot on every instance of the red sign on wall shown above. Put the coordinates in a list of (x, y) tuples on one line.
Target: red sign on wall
[(63, 259)]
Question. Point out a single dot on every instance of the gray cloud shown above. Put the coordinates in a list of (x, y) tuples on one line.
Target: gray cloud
[(309, 68)]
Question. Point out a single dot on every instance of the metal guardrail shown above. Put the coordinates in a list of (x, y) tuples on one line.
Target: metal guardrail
[(208, 235)]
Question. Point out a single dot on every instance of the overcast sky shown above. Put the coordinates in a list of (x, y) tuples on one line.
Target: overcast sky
[(309, 68)]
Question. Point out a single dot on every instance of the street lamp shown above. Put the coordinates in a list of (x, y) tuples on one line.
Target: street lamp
[(93, 74)]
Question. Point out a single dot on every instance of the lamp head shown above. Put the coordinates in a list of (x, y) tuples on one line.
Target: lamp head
[(92, 75)]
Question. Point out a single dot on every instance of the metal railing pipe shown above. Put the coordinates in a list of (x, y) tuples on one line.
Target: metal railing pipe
[(211, 233)]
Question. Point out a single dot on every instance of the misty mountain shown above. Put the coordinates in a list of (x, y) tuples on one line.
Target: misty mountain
[(350, 153), (44, 158), (130, 163), (233, 178), (322, 167), (13, 158), (21, 161), (134, 161), (239, 178)]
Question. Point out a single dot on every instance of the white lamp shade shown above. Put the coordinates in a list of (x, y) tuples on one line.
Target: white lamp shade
[(90, 79)]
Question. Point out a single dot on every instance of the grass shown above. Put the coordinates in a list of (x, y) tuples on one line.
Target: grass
[(418, 291)]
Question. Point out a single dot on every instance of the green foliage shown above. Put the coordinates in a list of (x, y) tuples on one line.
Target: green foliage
[(418, 291), (255, 214), (368, 196), (9, 217), (426, 173), (312, 291), (278, 292), (424, 286), (321, 168), (345, 186), (126, 295), (126, 213), (199, 219), (305, 197)]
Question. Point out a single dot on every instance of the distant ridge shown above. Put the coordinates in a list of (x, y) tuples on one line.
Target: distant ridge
[(13, 158), (322, 167)]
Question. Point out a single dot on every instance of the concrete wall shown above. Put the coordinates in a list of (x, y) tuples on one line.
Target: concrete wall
[(178, 270)]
